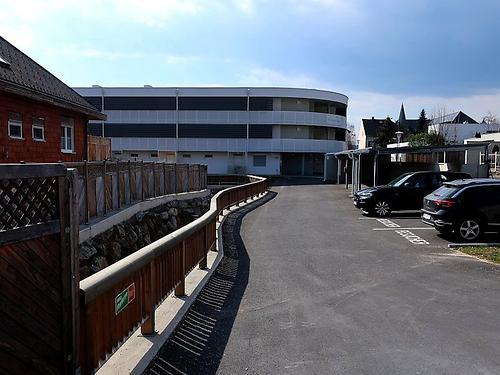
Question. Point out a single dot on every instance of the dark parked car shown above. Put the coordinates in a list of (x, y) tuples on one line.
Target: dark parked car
[(466, 207), (406, 192)]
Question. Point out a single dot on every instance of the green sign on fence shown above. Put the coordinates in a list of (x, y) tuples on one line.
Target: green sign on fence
[(123, 299)]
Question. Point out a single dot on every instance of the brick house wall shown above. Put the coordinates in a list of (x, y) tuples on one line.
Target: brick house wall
[(29, 150)]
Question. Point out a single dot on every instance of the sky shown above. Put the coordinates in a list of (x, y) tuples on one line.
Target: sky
[(431, 54)]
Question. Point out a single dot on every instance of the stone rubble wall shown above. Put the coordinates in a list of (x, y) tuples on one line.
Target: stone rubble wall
[(142, 229)]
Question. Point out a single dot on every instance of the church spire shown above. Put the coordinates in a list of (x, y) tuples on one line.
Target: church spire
[(402, 115)]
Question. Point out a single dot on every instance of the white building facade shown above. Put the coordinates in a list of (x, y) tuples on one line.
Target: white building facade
[(257, 130)]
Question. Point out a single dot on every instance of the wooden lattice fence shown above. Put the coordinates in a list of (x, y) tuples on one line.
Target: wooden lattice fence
[(38, 269)]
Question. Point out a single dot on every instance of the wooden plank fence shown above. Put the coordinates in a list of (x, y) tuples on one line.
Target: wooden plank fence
[(110, 186)]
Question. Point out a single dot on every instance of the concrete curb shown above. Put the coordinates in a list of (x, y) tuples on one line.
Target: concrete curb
[(156, 342), (471, 244)]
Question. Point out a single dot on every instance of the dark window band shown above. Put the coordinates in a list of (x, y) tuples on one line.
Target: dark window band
[(213, 103), (137, 103), (140, 130)]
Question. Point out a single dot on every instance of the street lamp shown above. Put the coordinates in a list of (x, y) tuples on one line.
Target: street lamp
[(399, 134)]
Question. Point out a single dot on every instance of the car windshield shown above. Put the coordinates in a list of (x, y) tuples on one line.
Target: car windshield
[(446, 191), (398, 181)]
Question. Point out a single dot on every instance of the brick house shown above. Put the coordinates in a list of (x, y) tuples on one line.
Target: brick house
[(41, 118)]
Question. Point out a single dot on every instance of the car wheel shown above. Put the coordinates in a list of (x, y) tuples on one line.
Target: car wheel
[(469, 229), (382, 208)]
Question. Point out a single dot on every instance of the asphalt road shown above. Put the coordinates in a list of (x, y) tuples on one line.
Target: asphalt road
[(315, 287)]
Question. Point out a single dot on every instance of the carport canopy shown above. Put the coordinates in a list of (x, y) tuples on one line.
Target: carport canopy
[(356, 157)]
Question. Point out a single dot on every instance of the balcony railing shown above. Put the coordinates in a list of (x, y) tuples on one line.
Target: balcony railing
[(228, 117), (228, 144)]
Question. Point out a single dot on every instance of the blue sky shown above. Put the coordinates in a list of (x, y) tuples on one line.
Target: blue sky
[(429, 54)]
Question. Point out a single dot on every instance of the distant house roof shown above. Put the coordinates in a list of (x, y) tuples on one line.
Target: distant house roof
[(371, 125), (21, 75), (453, 118)]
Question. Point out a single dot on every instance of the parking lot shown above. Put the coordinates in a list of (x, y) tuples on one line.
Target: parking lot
[(333, 291), (316, 287)]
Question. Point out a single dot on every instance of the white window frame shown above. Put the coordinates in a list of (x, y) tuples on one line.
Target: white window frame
[(67, 123), (38, 126), (17, 123)]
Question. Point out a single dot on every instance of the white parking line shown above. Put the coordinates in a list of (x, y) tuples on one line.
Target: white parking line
[(417, 228)]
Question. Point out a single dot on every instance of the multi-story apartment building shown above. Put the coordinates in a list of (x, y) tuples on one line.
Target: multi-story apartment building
[(266, 131)]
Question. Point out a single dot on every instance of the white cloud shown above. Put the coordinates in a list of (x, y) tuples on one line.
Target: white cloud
[(259, 76), (245, 6), (91, 53), (365, 104), (154, 13), (182, 59)]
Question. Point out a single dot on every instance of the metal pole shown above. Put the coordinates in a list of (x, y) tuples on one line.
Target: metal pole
[(359, 173), (248, 130), (176, 123)]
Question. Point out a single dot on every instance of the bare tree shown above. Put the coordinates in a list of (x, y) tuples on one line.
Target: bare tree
[(351, 136), (448, 131), (490, 118)]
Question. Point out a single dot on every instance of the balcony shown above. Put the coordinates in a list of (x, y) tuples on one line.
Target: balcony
[(228, 145), (228, 117)]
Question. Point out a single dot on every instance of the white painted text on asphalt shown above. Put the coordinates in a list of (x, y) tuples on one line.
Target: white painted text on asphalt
[(412, 237), (388, 223)]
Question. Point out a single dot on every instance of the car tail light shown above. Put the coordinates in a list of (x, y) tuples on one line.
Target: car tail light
[(445, 203)]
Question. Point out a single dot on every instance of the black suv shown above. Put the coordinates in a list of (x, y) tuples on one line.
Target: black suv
[(466, 207), (403, 193)]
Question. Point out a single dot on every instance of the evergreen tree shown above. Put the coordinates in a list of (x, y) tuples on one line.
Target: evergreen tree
[(386, 133), (422, 122)]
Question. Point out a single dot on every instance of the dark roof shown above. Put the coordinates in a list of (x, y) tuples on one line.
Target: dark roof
[(21, 75), (371, 125), (453, 118), (409, 124), (474, 181)]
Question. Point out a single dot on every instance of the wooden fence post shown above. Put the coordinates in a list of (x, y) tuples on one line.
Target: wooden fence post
[(180, 290), (142, 180), (86, 182), (118, 184), (175, 178), (68, 216), (148, 327), (164, 179), (203, 262), (154, 179), (199, 177), (129, 184), (104, 187)]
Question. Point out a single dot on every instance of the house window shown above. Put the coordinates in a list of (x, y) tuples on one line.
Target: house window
[(38, 129), (67, 135), (132, 155), (259, 160), (15, 125), (154, 154), (208, 155), (186, 156)]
